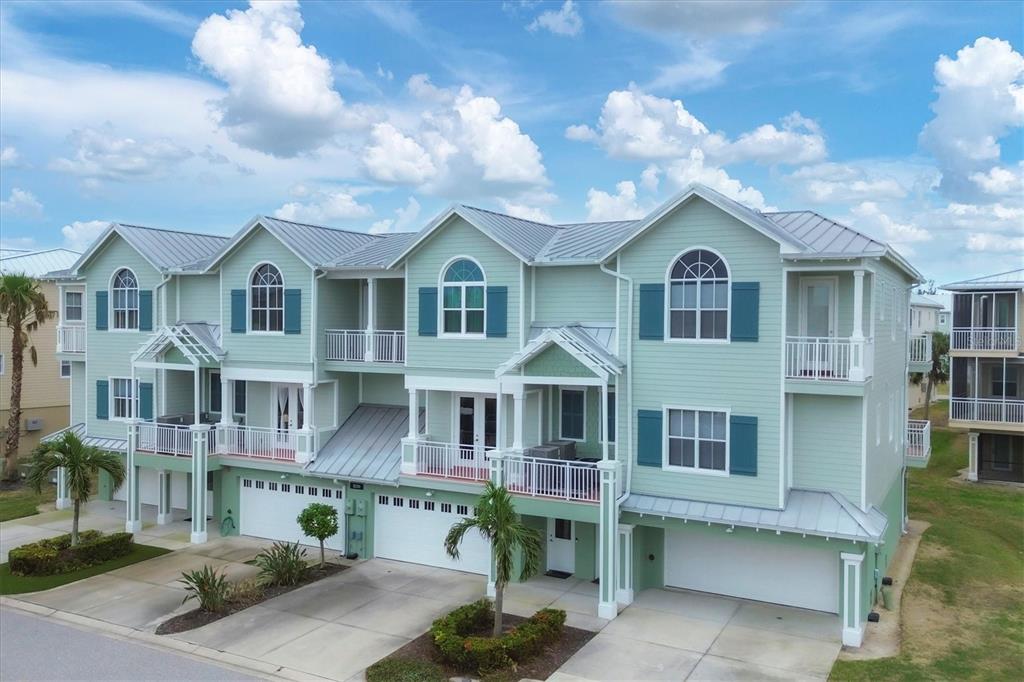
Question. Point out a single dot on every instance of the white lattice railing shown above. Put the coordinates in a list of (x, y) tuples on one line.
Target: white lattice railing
[(359, 345), (984, 338), (446, 460), (921, 348), (919, 438), (71, 338), (562, 479), (828, 358), (995, 410), (258, 442), (168, 439)]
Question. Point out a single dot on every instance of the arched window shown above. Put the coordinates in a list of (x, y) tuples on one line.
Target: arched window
[(463, 309), (266, 299), (699, 296), (126, 300)]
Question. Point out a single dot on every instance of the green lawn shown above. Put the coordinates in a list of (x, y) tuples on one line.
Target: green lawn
[(15, 504), (14, 584), (963, 606)]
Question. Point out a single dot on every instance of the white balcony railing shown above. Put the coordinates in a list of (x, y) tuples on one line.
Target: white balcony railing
[(919, 438), (447, 460), (555, 478), (996, 410), (921, 348), (984, 338), (70, 338), (168, 439), (359, 345), (828, 358), (259, 442)]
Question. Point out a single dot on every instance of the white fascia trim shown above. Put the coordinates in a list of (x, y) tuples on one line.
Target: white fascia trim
[(284, 376), (519, 381), (101, 241), (541, 343), (461, 385)]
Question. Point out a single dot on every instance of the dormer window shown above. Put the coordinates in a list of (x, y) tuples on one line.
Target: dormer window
[(266, 299), (463, 298), (126, 300), (699, 297)]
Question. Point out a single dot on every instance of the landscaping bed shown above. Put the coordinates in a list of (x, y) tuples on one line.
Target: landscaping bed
[(53, 556), (250, 595), (17, 584)]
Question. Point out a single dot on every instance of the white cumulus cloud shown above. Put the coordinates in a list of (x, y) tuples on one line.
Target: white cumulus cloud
[(692, 168), (102, 154), (404, 220), (798, 141), (9, 156), (565, 21), (1000, 181), (22, 203), (394, 157), (324, 206), (79, 235), (994, 243), (602, 206)]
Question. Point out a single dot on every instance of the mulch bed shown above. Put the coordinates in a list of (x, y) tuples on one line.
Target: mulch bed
[(539, 667), (197, 618)]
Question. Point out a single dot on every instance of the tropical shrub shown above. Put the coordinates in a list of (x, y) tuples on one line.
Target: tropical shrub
[(207, 586), (246, 592), (283, 564), (56, 555), (405, 670), (319, 521)]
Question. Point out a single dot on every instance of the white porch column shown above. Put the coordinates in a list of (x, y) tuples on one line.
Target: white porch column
[(972, 456), (227, 400), (517, 419), (63, 500), (200, 435), (371, 317), (853, 625), (604, 421), (307, 434), (607, 536), (163, 513), (496, 460), (499, 423), (133, 506), (197, 395), (858, 371), (414, 410), (624, 593)]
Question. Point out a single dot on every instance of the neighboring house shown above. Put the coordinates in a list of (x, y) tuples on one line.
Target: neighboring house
[(946, 321), (986, 370), (924, 321), (45, 386), (709, 397)]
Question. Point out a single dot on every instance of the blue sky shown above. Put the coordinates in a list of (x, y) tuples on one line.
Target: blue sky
[(903, 120)]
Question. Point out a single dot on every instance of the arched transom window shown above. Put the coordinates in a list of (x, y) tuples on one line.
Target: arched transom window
[(266, 299), (463, 298), (126, 300), (699, 296)]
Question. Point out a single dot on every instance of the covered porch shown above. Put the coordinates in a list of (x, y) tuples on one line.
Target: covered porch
[(364, 319)]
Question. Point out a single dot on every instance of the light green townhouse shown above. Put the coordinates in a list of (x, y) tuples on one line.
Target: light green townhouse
[(709, 398)]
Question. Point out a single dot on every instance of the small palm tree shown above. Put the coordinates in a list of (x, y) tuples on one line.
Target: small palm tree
[(23, 308), (81, 463), (497, 522), (939, 371)]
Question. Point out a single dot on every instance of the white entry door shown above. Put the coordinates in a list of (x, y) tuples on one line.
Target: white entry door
[(288, 410), (818, 307), (476, 424), (412, 529), (562, 545), (268, 509)]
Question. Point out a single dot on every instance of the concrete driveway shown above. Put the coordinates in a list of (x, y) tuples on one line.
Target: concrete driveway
[(679, 635)]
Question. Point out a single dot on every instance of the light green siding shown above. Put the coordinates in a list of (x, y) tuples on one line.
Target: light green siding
[(257, 403), (742, 377), (79, 394), (385, 389), (879, 556), (555, 361), (827, 444), (844, 283), (473, 356), (200, 300), (337, 308), (580, 293), (439, 416), (390, 304)]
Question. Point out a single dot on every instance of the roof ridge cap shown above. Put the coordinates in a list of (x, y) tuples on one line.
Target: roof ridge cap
[(168, 229), (509, 215), (322, 227)]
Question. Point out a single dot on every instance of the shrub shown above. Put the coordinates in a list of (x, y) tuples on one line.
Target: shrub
[(56, 555), (283, 564), (207, 586), (405, 670), (319, 521), (247, 592)]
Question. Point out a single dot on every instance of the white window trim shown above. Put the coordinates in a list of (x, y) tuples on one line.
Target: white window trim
[(665, 466), (64, 308), (667, 321), (133, 407), (561, 432), (112, 316), (60, 369), (441, 284), (248, 301)]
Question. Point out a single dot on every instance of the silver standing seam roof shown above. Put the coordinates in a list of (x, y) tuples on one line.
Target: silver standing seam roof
[(1012, 279), (113, 444), (809, 512), (377, 253), (318, 245), (367, 447), (36, 263)]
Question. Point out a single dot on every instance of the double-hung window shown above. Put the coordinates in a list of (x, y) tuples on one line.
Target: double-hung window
[(126, 300), (463, 298), (573, 409), (124, 399), (697, 440), (65, 369), (699, 297), (72, 306), (266, 299)]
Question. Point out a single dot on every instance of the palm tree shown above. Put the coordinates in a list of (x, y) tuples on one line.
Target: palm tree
[(23, 308), (939, 371), (81, 463), (496, 520)]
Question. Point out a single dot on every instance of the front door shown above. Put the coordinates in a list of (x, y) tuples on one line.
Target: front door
[(477, 425), (818, 307), (289, 413), (561, 545)]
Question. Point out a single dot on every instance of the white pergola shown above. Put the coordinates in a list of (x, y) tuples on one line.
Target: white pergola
[(197, 344)]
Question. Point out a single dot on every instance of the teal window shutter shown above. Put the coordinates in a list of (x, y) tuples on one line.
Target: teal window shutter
[(102, 399), (428, 311), (746, 302), (238, 311), (102, 310), (293, 311), (497, 311), (743, 445), (652, 312), (145, 401), (145, 310), (649, 438)]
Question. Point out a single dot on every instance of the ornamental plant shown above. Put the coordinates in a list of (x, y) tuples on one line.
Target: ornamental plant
[(319, 521)]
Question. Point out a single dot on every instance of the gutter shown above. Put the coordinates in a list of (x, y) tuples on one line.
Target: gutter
[(629, 374)]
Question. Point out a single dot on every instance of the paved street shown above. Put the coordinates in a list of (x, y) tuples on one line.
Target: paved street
[(34, 648)]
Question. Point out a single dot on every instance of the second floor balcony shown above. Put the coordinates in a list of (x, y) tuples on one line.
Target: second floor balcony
[(828, 358), (919, 442), (986, 321), (985, 339), (987, 410), (361, 345), (920, 349), (71, 338), (177, 440)]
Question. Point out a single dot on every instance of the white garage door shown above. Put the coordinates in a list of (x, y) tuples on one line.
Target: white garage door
[(409, 529), (763, 571), (269, 510), (149, 489)]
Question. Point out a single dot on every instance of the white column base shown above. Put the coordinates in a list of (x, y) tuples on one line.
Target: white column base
[(491, 590), (607, 610), (132, 526), (853, 636), (163, 519), (856, 374), (972, 476), (624, 597), (63, 503), (198, 538)]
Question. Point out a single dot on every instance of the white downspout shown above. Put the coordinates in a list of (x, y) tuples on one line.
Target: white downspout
[(629, 372)]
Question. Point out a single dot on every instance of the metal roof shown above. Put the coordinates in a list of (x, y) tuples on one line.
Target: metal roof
[(825, 237), (319, 246), (584, 241), (917, 300), (367, 447), (36, 263), (1012, 279), (103, 443), (524, 237), (172, 250), (377, 253), (809, 512)]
